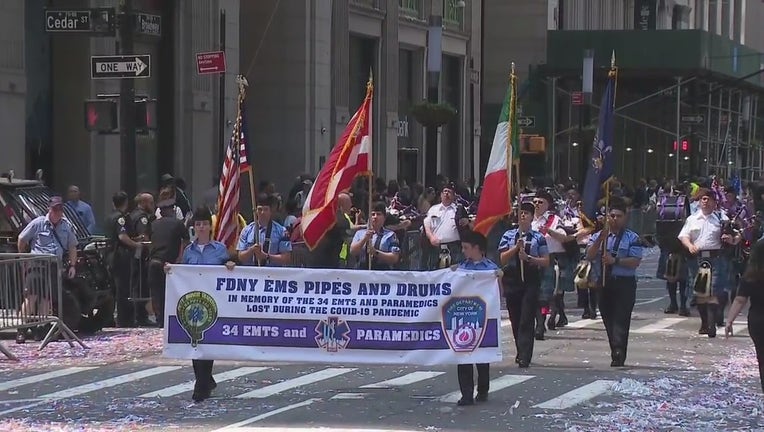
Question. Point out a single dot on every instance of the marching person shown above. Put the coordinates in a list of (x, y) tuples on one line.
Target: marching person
[(750, 288), (557, 277), (169, 238), (474, 247), (271, 247), (119, 231), (442, 226), (621, 256), (524, 255), (704, 238), (204, 251), (49, 234), (376, 242)]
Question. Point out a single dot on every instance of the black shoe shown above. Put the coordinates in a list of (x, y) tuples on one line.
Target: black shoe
[(672, 309), (201, 393), (550, 324), (618, 357), (539, 336), (465, 402), (711, 331), (563, 321), (617, 363), (21, 337), (684, 312), (586, 315), (703, 330), (517, 359), (481, 397), (523, 364)]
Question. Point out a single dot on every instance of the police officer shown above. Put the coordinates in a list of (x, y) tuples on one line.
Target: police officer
[(265, 242), (703, 236), (376, 243), (121, 248), (621, 256), (204, 251), (49, 234), (141, 217), (168, 237), (474, 249), (524, 255)]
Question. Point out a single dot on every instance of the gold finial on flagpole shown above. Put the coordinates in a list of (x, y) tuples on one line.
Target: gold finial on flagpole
[(612, 60), (512, 68)]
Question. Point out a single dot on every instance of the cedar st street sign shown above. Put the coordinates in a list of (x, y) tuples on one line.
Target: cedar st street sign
[(127, 66)]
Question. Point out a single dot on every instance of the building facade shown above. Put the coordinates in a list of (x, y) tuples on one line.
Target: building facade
[(689, 87), (308, 64)]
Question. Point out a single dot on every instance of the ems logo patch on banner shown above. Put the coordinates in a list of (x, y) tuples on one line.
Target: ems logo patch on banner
[(332, 316), (464, 321)]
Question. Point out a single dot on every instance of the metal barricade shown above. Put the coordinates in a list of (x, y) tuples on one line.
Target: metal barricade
[(30, 291)]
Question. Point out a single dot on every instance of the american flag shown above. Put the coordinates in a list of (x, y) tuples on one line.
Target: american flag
[(227, 228)]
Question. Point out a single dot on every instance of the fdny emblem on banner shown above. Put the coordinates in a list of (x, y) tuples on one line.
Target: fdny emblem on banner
[(464, 322), (332, 334)]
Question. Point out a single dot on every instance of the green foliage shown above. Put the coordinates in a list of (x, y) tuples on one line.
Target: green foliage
[(430, 114)]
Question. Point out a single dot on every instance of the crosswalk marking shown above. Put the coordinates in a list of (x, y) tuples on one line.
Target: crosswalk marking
[(188, 386), (739, 328), (295, 382), (349, 396), (111, 382), (658, 326), (582, 323), (494, 386), (8, 385), (404, 380), (578, 395)]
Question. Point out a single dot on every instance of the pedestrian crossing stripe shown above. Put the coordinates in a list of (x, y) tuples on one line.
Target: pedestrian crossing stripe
[(110, 382), (658, 326), (577, 396), (34, 379), (300, 381), (404, 380), (189, 385), (494, 386)]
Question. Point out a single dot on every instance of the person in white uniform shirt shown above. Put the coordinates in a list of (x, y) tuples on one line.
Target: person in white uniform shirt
[(442, 225), (703, 236), (547, 222)]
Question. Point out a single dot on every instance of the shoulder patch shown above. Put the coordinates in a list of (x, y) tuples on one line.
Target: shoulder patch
[(121, 221), (145, 220)]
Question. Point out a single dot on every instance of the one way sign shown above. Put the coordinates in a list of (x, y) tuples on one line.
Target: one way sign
[(133, 66)]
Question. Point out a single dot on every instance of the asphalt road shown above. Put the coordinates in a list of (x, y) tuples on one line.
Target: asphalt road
[(569, 386)]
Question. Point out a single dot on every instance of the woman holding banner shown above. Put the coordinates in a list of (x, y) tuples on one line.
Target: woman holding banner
[(204, 251)]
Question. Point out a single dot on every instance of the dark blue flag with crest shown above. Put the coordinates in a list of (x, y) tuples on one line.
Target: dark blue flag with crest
[(600, 167)]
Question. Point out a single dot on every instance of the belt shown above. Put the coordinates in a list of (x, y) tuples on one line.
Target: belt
[(446, 245), (709, 253), (623, 277)]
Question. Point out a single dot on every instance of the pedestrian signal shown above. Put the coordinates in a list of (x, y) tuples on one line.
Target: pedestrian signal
[(146, 114), (100, 115), (685, 145)]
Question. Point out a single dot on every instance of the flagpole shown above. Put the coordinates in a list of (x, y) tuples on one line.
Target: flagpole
[(369, 250), (242, 82), (511, 117), (613, 73)]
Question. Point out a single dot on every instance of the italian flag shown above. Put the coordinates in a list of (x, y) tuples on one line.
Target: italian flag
[(495, 201)]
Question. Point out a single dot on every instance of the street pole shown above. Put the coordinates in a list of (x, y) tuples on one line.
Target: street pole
[(553, 128), (127, 106), (434, 60), (678, 125), (221, 96)]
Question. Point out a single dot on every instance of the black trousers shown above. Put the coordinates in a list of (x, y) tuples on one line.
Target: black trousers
[(467, 379), (203, 372), (756, 330), (522, 305), (121, 274), (156, 280), (617, 299)]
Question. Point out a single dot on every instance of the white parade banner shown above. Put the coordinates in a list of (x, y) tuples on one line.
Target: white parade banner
[(332, 316)]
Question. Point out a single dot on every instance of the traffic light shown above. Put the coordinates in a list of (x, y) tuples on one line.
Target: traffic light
[(146, 114), (685, 146), (101, 115)]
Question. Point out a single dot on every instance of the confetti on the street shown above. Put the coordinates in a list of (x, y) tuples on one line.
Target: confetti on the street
[(729, 398), (109, 346)]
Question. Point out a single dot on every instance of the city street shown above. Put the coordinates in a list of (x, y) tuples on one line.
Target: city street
[(674, 380)]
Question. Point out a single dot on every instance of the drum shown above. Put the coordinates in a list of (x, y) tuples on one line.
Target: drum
[(672, 212)]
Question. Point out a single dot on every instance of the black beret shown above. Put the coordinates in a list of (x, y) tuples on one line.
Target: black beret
[(526, 206)]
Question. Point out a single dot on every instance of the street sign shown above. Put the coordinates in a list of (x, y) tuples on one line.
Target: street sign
[(95, 21), (210, 62), (127, 66), (527, 122), (694, 119), (147, 24), (577, 98)]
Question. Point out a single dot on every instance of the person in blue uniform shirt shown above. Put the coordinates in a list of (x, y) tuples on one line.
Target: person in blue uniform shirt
[(377, 242), (83, 209), (474, 247), (524, 255), (204, 251), (271, 247), (621, 256)]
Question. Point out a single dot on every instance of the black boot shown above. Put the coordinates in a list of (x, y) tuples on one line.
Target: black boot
[(683, 311), (563, 320), (719, 310), (712, 312), (592, 305), (672, 308), (703, 312)]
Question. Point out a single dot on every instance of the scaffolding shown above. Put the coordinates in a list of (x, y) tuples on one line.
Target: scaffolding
[(720, 121)]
